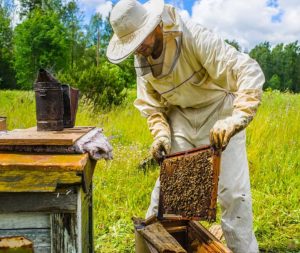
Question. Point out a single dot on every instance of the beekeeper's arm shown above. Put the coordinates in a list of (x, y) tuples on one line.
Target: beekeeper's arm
[(150, 103), (230, 68)]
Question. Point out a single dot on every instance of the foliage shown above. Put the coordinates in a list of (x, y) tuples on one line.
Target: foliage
[(40, 41), (274, 82), (51, 34), (122, 191), (71, 18), (234, 43), (7, 74), (281, 62), (27, 7), (104, 85)]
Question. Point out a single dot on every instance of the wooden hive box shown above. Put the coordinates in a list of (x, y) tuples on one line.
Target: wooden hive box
[(175, 235), (188, 192), (46, 198)]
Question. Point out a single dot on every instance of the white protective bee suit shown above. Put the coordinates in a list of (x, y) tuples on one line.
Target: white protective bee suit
[(198, 81)]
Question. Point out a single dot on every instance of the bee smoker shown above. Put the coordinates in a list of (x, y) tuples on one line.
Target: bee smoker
[(49, 102), (2, 123), (56, 104), (70, 100)]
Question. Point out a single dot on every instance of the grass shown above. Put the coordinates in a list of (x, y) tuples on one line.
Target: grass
[(121, 190)]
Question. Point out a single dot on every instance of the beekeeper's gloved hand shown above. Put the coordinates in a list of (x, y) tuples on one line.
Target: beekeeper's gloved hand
[(224, 129), (160, 147)]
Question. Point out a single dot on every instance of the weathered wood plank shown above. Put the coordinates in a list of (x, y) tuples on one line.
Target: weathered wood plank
[(88, 174), (39, 202), (40, 237), (85, 222), (43, 162), (63, 233), (160, 239), (18, 180), (31, 136), (24, 220), (208, 242)]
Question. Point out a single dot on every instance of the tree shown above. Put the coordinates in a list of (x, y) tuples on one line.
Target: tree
[(275, 83), (40, 41), (290, 65), (284, 60), (71, 18), (94, 34), (103, 85), (28, 6), (7, 79), (234, 43), (262, 54)]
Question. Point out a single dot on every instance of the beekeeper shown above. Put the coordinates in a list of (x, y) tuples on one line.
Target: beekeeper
[(194, 89)]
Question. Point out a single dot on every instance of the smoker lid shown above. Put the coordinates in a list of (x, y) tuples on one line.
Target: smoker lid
[(45, 80)]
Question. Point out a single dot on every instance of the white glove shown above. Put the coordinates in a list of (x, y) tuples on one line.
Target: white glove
[(160, 147), (223, 130)]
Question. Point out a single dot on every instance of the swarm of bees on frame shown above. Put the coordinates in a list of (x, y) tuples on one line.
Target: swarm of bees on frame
[(187, 184)]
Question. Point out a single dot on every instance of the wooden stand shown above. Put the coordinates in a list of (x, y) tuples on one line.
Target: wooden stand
[(47, 199)]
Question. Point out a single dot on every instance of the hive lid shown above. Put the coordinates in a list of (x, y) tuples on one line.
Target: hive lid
[(31, 137), (189, 184)]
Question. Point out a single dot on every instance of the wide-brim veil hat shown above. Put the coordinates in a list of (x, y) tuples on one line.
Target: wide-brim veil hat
[(132, 22)]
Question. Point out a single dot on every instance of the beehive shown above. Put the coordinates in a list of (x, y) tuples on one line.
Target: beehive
[(189, 184), (175, 235)]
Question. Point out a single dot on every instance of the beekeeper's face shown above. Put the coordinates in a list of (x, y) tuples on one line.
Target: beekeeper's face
[(146, 48), (150, 44)]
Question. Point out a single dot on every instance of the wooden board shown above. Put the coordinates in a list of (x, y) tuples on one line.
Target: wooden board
[(43, 162), (207, 242), (160, 239), (31, 136), (44, 172), (62, 202), (33, 226), (191, 235)]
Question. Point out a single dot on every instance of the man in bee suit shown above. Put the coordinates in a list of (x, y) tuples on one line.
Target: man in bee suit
[(194, 89)]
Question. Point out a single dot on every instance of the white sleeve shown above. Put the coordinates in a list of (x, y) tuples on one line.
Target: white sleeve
[(229, 69), (150, 103)]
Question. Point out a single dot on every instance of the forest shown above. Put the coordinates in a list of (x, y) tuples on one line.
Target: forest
[(52, 34), (55, 35)]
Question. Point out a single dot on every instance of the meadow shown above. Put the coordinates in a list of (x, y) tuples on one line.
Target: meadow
[(122, 190)]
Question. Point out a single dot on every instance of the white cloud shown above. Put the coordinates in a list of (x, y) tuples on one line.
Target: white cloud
[(177, 3), (104, 9), (101, 6), (250, 22)]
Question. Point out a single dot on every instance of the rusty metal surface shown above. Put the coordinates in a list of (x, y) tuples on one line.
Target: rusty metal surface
[(2, 123), (49, 102), (189, 182), (70, 98)]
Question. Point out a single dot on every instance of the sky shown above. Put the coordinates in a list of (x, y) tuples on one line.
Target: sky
[(249, 22)]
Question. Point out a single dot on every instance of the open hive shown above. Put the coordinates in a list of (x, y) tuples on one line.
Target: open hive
[(173, 235), (189, 184)]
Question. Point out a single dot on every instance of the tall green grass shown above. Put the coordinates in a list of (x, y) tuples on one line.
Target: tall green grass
[(121, 190)]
